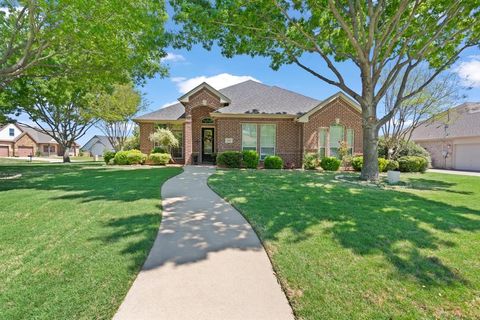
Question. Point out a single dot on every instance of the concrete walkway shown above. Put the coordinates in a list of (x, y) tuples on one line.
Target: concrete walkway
[(206, 262), (457, 172)]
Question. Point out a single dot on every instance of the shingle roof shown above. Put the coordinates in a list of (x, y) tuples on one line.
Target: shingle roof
[(249, 97), (37, 136), (461, 121)]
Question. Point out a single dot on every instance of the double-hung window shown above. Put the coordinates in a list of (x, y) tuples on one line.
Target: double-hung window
[(322, 142), (336, 138), (11, 132), (350, 141), (267, 140), (249, 136)]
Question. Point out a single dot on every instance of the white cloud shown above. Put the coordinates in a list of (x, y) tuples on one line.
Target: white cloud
[(469, 71), (173, 57), (168, 104), (218, 81)]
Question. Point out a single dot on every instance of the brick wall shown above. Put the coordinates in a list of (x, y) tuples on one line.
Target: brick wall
[(25, 141), (145, 130), (288, 139), (325, 117)]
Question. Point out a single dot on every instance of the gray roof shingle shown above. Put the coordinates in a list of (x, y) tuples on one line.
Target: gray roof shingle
[(249, 97), (461, 121), (37, 136)]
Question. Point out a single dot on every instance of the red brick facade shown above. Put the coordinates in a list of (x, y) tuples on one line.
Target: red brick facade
[(293, 138)]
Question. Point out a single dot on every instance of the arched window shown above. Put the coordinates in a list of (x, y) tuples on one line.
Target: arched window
[(207, 120)]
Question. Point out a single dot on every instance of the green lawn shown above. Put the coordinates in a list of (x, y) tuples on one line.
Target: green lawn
[(74, 236), (344, 251)]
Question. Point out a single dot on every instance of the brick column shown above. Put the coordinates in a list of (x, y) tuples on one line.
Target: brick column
[(188, 139)]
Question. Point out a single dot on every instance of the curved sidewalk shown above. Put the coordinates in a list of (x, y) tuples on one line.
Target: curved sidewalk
[(206, 262)]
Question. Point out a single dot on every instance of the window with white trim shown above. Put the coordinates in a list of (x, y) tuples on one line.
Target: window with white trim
[(268, 134), (11, 132), (350, 140), (249, 136), (336, 138), (322, 142)]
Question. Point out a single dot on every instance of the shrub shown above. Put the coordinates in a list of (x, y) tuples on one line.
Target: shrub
[(121, 158), (230, 159), (159, 150), (135, 157), (250, 159), (273, 162), (160, 158), (330, 164), (412, 164), (311, 161), (392, 165), (382, 165), (357, 163), (409, 148), (108, 155), (129, 157)]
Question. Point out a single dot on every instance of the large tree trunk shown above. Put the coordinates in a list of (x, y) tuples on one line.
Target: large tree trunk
[(66, 154), (370, 153)]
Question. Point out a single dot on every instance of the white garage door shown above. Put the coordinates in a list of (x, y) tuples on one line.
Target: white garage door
[(467, 157)]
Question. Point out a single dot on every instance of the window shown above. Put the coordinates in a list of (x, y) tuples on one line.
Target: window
[(267, 140), (350, 141), (49, 149), (11, 132), (336, 137), (322, 142), (178, 151), (249, 136)]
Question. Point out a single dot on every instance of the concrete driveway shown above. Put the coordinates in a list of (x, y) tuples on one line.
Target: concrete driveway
[(206, 262), (457, 172)]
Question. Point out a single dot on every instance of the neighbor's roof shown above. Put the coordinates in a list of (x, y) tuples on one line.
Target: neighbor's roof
[(249, 97), (461, 121), (37, 136), (102, 139)]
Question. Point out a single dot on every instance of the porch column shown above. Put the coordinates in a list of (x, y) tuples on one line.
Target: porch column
[(188, 140)]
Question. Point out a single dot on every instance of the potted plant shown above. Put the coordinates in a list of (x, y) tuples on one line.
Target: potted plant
[(393, 172)]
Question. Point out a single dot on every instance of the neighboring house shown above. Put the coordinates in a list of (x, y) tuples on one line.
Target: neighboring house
[(17, 140), (97, 145), (452, 138), (255, 116)]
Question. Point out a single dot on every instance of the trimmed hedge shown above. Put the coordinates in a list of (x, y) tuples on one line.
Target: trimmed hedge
[(230, 159), (412, 164), (250, 159), (311, 161), (273, 162), (392, 165), (129, 157), (330, 164), (357, 164), (160, 158), (108, 155)]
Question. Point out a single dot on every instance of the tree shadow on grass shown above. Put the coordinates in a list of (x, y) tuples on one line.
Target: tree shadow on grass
[(366, 220)]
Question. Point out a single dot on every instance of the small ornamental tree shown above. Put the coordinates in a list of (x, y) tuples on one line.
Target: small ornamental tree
[(165, 138)]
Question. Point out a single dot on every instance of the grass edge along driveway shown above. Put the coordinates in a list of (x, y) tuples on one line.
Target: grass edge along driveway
[(343, 251), (73, 237)]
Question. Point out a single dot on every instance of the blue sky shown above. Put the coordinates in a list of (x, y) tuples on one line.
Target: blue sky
[(188, 68)]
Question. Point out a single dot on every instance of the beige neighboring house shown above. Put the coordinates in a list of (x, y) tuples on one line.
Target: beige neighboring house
[(17, 140), (452, 138)]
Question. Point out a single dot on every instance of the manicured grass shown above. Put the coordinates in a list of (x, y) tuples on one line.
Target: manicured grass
[(345, 251), (74, 236)]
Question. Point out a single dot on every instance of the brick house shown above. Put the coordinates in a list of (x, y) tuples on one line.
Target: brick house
[(255, 116), (17, 140)]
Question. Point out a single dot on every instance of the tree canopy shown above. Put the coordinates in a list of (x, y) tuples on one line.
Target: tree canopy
[(375, 36), (92, 40)]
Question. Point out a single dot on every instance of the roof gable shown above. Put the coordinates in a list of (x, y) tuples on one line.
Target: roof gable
[(324, 103), (204, 86)]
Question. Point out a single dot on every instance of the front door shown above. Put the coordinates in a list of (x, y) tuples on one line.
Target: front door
[(208, 135)]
